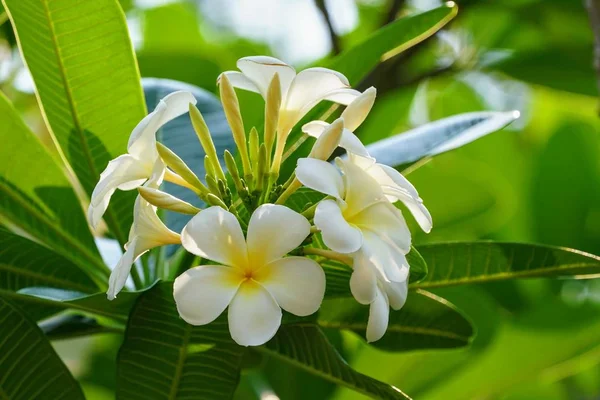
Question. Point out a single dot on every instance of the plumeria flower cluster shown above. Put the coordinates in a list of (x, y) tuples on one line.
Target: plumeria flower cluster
[(259, 256)]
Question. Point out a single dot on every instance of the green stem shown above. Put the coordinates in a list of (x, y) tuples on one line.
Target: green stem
[(332, 255)]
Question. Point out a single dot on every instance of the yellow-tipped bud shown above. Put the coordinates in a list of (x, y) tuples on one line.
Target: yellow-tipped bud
[(208, 167), (261, 167), (272, 105), (215, 201), (357, 111), (233, 170), (212, 184), (206, 140), (253, 146), (328, 141), (166, 201), (231, 107), (173, 161)]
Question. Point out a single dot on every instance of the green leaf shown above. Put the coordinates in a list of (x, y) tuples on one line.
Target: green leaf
[(438, 137), (25, 263), (46, 301), (568, 69), (37, 199), (30, 367), (71, 326), (163, 357), (81, 59), (425, 322), (391, 40), (458, 263), (306, 347)]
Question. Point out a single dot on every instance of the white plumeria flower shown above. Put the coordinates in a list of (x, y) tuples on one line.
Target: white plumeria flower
[(254, 279), (389, 294), (299, 92), (131, 170), (360, 221), (395, 186), (147, 232)]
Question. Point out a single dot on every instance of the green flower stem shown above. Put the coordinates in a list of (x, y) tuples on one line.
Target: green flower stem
[(332, 255)]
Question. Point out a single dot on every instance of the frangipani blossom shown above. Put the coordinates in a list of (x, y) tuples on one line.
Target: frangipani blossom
[(254, 279), (360, 221), (131, 170), (395, 186), (299, 92), (147, 232)]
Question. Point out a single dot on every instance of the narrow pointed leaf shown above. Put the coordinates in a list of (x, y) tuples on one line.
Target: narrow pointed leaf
[(163, 357), (81, 59), (37, 199), (30, 368), (439, 136), (391, 40), (306, 347), (425, 322), (459, 263)]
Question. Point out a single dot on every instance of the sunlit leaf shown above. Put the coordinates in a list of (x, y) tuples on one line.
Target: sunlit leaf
[(439, 136), (425, 322), (30, 367), (163, 357), (81, 60), (36, 198), (306, 347), (458, 263)]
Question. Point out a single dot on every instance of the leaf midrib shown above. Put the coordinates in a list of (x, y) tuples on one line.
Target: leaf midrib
[(539, 272), (78, 127), (183, 351), (397, 329)]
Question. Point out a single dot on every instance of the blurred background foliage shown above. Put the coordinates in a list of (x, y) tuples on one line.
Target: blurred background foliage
[(536, 181)]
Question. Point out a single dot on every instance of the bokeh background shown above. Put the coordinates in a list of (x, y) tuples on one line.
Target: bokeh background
[(536, 181)]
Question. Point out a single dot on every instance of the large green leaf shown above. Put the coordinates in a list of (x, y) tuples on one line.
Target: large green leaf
[(25, 263), (81, 59), (457, 263), (37, 199), (425, 322), (391, 40), (306, 347), (30, 368), (163, 357)]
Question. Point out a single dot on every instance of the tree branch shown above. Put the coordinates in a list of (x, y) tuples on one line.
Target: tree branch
[(335, 40), (593, 8)]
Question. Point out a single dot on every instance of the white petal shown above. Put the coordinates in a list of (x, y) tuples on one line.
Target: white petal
[(379, 314), (149, 227), (261, 69), (357, 111), (239, 80), (386, 221), (363, 282), (125, 172), (397, 187), (296, 283), (254, 315), (361, 189), (142, 142), (343, 96), (216, 234), (202, 293), (397, 293), (337, 233), (119, 274), (387, 258), (274, 231), (313, 85), (350, 142), (321, 176)]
